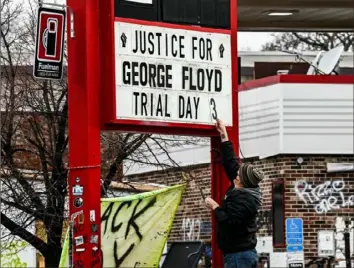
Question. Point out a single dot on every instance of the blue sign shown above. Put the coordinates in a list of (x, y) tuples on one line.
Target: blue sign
[(294, 248), (294, 234), (294, 225), (294, 241)]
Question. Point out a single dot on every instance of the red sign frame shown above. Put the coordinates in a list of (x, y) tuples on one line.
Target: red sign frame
[(90, 88), (54, 38), (107, 68)]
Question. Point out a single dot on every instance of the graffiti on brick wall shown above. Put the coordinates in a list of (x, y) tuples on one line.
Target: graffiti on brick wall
[(193, 229), (324, 197)]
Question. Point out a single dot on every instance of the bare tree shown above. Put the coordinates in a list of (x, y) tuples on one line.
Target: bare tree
[(310, 41), (34, 140)]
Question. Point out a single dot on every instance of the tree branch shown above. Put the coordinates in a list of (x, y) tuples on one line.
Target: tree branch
[(15, 229)]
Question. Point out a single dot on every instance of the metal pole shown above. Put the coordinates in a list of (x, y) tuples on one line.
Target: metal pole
[(219, 181), (348, 263), (84, 133)]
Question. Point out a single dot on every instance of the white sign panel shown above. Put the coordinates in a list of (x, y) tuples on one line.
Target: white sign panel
[(326, 243), (296, 259), (172, 75)]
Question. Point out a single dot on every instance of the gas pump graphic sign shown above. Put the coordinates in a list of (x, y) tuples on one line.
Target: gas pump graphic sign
[(49, 44)]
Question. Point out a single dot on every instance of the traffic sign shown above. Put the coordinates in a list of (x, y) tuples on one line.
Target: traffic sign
[(294, 231), (294, 225), (294, 241), (294, 248), (48, 60)]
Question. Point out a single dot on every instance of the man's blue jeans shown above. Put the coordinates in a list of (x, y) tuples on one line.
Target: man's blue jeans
[(244, 259)]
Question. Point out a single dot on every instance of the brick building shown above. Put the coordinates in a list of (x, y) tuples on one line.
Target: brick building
[(193, 220)]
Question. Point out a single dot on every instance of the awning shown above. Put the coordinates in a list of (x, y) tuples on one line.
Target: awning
[(307, 15)]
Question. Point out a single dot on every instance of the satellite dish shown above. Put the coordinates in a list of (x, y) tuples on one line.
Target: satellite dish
[(314, 64), (330, 60)]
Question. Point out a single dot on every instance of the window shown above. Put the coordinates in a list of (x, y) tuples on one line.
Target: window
[(278, 210)]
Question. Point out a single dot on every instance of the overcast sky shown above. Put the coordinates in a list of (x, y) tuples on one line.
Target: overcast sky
[(252, 41)]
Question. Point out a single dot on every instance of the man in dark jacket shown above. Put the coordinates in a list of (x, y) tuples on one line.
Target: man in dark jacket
[(236, 216)]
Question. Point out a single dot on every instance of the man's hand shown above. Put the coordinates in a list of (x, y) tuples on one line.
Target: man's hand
[(220, 127), (211, 203)]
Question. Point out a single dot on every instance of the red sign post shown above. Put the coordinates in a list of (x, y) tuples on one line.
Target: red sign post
[(176, 83), (84, 134)]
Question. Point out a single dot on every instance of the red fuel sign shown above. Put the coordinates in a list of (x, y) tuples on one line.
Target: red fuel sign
[(49, 44)]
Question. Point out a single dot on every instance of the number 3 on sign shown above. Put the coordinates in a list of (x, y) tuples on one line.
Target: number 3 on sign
[(213, 111)]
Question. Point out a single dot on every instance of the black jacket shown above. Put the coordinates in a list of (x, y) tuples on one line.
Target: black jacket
[(236, 216)]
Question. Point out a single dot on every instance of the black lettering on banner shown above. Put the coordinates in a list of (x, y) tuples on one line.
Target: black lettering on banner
[(191, 86), (209, 49), (173, 50), (196, 104), (151, 42), (181, 47), (167, 114), (209, 74), (135, 73), (184, 76), (152, 75), (143, 74), (160, 78), (143, 103), (151, 104), (197, 79), (180, 107), (136, 42), (142, 41), (186, 109), (202, 48), (200, 81), (159, 106), (126, 73), (166, 44), (106, 215), (136, 95), (218, 80), (194, 48), (115, 228), (158, 43), (168, 76), (146, 44), (136, 213), (118, 261), (214, 113)]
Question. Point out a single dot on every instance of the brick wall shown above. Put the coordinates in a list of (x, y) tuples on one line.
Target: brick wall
[(193, 219)]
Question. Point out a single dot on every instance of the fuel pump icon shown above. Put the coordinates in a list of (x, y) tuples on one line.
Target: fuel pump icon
[(50, 37)]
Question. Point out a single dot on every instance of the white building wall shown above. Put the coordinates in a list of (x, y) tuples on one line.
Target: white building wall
[(248, 58), (318, 119), (260, 119), (296, 119)]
